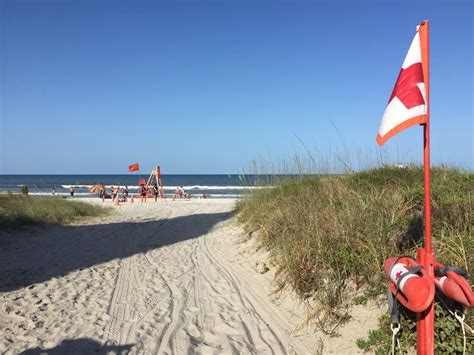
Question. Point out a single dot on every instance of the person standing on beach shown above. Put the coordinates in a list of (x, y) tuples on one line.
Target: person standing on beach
[(114, 193), (123, 197), (142, 190), (24, 190), (71, 191), (155, 191)]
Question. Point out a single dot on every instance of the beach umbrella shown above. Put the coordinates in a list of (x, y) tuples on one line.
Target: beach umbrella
[(96, 188)]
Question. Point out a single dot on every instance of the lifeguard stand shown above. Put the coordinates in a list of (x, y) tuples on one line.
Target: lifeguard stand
[(155, 177)]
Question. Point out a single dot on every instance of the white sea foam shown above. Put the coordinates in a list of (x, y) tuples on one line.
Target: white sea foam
[(76, 186), (89, 194), (214, 187)]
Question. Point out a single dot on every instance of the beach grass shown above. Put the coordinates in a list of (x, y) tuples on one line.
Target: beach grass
[(329, 235), (17, 211)]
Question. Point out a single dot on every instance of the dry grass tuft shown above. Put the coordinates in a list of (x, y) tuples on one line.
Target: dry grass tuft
[(330, 235), (17, 211)]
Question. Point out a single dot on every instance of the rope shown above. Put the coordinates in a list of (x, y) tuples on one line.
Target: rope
[(460, 316), (454, 314), (395, 329), (461, 320), (464, 324), (445, 305), (393, 304)]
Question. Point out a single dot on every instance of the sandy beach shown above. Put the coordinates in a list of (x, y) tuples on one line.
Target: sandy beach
[(153, 278)]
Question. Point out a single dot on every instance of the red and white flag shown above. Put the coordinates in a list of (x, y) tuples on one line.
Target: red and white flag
[(408, 105)]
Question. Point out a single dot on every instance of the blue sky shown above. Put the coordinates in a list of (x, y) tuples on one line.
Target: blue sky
[(206, 87)]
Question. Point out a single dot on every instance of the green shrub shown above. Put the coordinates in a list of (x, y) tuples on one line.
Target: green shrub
[(17, 210), (329, 236), (448, 334)]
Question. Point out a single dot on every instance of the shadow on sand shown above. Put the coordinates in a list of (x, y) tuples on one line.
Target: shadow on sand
[(36, 256), (80, 347)]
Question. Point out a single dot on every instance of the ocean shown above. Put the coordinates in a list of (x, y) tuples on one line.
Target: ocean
[(215, 186)]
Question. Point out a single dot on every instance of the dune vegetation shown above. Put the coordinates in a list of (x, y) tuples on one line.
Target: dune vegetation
[(328, 237), (17, 210)]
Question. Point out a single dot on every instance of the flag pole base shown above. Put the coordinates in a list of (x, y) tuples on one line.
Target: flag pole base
[(425, 319)]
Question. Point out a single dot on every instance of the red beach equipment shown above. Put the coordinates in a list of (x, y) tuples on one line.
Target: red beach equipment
[(409, 105), (97, 188), (451, 282), (156, 176), (410, 283), (133, 167)]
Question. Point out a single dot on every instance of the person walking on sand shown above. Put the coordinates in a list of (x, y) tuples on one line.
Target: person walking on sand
[(71, 191), (142, 191), (123, 198), (24, 190), (155, 191)]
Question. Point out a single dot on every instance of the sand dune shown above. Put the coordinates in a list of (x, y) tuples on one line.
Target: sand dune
[(154, 278)]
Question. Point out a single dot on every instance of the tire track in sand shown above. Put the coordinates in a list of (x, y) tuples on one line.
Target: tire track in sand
[(128, 292), (270, 316), (248, 304), (205, 304)]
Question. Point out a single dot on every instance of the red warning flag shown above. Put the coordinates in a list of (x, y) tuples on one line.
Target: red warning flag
[(133, 167), (407, 105)]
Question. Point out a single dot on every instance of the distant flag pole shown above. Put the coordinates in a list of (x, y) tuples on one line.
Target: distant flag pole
[(409, 105)]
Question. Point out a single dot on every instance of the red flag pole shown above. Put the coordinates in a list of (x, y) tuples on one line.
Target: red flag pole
[(425, 256)]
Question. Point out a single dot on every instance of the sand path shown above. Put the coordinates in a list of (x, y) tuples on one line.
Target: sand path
[(152, 278)]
